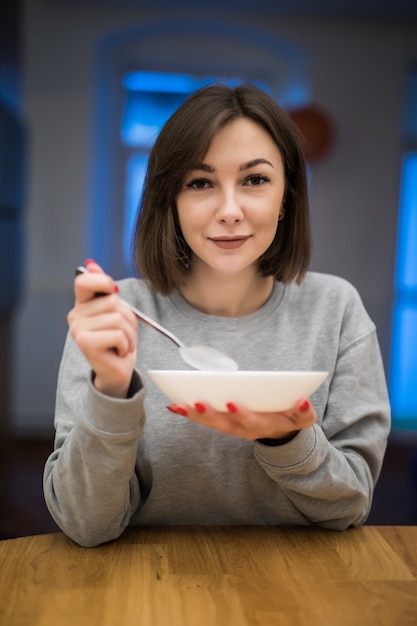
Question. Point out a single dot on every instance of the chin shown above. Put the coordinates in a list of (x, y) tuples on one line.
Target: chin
[(234, 268)]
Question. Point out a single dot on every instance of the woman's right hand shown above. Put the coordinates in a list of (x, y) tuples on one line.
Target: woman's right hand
[(105, 330)]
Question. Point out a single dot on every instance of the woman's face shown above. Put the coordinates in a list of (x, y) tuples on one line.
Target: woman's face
[(229, 204)]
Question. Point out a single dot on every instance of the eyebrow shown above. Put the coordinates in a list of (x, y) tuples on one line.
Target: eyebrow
[(249, 164), (245, 166)]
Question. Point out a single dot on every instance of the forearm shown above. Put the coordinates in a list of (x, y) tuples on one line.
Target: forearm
[(329, 471), (89, 482), (330, 487)]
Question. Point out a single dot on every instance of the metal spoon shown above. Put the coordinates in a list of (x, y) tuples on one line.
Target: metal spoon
[(199, 356)]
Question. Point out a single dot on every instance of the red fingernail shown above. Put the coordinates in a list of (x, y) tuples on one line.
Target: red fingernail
[(199, 406), (232, 408), (304, 405), (89, 262), (178, 410), (116, 288)]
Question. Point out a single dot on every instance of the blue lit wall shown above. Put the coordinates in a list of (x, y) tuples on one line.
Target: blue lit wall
[(403, 378)]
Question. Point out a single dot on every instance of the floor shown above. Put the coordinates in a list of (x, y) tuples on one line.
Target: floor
[(23, 511)]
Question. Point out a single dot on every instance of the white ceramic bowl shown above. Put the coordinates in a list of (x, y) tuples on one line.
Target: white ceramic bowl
[(258, 391)]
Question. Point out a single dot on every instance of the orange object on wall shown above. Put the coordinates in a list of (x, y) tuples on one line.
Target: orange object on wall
[(317, 129)]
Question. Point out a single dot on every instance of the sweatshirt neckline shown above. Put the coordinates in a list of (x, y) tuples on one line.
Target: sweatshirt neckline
[(216, 321)]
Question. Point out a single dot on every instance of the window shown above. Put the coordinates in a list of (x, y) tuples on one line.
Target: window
[(175, 57), (403, 375)]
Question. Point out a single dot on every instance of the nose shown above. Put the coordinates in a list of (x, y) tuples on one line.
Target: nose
[(229, 210)]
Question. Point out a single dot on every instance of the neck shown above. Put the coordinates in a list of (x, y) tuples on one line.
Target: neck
[(228, 295)]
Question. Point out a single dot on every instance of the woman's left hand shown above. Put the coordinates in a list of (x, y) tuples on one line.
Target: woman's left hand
[(240, 422)]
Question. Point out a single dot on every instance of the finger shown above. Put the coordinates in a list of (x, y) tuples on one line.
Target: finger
[(85, 319), (234, 420), (223, 421), (107, 320), (93, 282), (302, 413), (96, 344), (241, 422), (101, 306), (93, 267)]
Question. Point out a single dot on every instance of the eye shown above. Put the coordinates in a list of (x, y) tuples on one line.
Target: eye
[(198, 184), (256, 180)]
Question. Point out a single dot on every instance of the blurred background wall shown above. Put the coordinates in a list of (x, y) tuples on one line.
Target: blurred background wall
[(351, 59)]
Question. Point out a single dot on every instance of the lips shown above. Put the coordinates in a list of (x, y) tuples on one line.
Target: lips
[(229, 243)]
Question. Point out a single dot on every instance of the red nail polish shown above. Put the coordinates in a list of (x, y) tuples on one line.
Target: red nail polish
[(304, 405), (89, 262), (199, 406), (232, 408), (178, 410), (116, 288)]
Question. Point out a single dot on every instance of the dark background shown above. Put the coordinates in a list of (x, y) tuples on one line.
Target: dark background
[(22, 508)]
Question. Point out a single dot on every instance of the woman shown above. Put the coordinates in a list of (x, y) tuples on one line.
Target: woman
[(222, 243)]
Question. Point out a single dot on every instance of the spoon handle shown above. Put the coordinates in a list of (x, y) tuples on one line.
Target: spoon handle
[(147, 320), (141, 316)]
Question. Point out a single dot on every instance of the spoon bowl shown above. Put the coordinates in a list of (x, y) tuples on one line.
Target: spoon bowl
[(208, 359)]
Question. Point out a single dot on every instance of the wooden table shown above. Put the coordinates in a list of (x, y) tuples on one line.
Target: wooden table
[(213, 576)]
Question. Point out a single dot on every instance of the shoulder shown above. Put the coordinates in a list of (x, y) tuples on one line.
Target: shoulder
[(333, 302), (330, 282), (329, 288)]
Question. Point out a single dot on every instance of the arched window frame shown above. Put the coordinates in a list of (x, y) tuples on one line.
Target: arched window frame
[(185, 46)]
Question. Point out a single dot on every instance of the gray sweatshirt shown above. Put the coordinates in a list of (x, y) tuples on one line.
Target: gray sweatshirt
[(132, 462)]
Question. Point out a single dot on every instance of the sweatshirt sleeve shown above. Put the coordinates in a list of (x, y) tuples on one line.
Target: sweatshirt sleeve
[(90, 485), (329, 471)]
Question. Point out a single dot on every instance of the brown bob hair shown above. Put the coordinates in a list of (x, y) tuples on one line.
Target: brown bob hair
[(161, 253)]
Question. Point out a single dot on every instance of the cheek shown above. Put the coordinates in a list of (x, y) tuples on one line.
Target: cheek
[(266, 217), (193, 216), (189, 223), (270, 226)]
